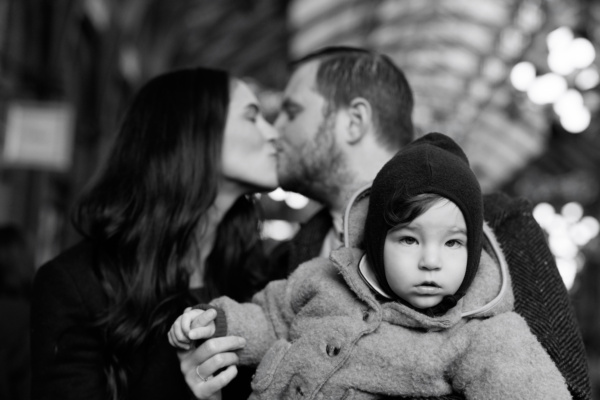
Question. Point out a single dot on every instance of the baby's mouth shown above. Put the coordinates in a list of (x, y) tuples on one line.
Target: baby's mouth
[(428, 288), (430, 284)]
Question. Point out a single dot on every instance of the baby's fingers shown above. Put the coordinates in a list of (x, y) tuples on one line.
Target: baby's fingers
[(202, 332), (177, 337), (188, 317), (204, 318)]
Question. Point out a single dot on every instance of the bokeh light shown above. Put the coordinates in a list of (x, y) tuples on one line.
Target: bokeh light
[(547, 88), (278, 194), (592, 225), (565, 58), (570, 101), (582, 53), (567, 269), (559, 38), (278, 229), (572, 212), (522, 75), (587, 79), (567, 232), (576, 120), (559, 61), (296, 201), (544, 214)]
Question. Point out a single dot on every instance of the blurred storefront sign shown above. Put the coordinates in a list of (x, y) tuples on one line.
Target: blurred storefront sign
[(558, 188), (38, 135)]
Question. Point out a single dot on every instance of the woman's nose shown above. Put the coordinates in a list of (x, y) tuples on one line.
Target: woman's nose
[(269, 131)]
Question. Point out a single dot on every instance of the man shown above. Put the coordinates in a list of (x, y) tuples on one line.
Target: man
[(345, 113)]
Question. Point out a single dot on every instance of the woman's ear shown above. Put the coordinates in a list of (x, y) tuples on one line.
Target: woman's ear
[(361, 121)]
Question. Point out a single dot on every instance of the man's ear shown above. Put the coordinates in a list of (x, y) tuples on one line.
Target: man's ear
[(361, 119)]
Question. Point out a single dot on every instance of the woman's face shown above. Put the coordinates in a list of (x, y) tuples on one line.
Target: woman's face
[(249, 154)]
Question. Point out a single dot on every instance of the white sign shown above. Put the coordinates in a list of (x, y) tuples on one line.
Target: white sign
[(39, 135)]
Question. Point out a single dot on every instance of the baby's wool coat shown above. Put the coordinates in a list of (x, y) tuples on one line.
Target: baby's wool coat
[(323, 334)]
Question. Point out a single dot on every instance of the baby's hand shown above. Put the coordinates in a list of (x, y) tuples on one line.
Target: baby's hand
[(192, 325)]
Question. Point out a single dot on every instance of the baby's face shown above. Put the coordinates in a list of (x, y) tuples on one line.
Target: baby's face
[(427, 259)]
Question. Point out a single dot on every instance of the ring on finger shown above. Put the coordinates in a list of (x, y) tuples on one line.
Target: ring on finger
[(203, 379)]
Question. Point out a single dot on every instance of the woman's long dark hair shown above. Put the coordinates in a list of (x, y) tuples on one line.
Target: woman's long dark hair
[(16, 263), (149, 202)]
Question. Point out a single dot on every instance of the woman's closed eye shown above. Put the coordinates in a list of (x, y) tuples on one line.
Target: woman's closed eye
[(252, 113)]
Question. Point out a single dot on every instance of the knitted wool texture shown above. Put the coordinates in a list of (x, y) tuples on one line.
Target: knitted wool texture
[(434, 164)]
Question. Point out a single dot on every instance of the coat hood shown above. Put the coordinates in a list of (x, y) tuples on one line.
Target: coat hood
[(489, 294)]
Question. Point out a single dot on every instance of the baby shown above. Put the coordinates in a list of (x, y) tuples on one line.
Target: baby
[(410, 306)]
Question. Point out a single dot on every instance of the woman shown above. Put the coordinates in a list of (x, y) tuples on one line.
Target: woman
[(16, 272), (168, 222)]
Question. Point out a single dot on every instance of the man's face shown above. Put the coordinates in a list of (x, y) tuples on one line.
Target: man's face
[(308, 157)]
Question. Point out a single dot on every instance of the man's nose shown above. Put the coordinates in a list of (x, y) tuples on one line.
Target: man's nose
[(278, 124)]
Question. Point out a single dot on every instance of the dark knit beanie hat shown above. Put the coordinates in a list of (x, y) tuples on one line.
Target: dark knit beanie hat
[(434, 164)]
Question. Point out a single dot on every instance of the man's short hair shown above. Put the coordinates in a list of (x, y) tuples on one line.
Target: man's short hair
[(345, 73)]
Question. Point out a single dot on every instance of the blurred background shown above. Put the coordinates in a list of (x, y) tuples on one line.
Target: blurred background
[(514, 82)]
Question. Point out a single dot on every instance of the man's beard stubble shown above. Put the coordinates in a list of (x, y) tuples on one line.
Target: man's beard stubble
[(318, 170)]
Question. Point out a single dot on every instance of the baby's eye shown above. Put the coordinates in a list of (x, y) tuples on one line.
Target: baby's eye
[(408, 240), (454, 243)]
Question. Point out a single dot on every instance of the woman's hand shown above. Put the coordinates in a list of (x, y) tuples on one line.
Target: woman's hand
[(200, 365)]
